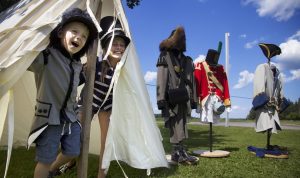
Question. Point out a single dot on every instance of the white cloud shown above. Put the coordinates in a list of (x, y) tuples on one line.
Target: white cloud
[(200, 58), (243, 36), (251, 44), (295, 75), (150, 76), (290, 53), (235, 107), (296, 36), (281, 10), (245, 78), (238, 108)]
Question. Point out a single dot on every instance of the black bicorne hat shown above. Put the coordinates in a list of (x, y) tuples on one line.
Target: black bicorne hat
[(75, 15), (106, 33), (270, 50)]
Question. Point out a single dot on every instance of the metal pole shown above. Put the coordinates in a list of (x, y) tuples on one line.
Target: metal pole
[(268, 139), (87, 103), (227, 69), (210, 137)]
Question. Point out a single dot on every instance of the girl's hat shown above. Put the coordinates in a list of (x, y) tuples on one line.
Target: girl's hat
[(108, 28), (270, 50)]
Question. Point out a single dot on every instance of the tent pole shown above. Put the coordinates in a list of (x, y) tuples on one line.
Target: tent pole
[(87, 103)]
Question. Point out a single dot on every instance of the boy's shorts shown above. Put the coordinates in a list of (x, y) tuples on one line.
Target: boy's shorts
[(47, 144)]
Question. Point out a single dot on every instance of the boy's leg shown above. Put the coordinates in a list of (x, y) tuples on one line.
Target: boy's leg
[(41, 170), (60, 160), (47, 145), (70, 145), (70, 164)]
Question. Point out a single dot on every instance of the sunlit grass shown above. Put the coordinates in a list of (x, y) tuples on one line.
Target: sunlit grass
[(240, 163)]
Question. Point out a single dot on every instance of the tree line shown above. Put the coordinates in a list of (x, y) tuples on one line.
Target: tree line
[(291, 113)]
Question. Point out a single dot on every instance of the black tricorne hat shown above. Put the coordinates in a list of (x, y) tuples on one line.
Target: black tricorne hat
[(106, 33), (270, 50), (76, 15)]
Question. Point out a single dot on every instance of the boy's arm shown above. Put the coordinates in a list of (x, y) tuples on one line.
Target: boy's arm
[(38, 64), (82, 76)]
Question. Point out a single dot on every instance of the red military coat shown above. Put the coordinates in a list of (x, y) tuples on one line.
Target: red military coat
[(205, 86)]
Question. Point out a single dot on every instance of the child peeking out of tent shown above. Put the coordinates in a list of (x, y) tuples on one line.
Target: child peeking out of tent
[(57, 74), (114, 42), (134, 140)]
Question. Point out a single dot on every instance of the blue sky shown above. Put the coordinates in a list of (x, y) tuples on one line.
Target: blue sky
[(248, 22)]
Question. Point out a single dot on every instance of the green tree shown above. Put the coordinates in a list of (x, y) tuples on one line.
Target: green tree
[(251, 115), (292, 112), (132, 3)]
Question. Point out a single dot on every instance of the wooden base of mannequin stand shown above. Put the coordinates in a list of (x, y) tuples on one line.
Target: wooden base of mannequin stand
[(281, 156), (212, 154), (270, 151)]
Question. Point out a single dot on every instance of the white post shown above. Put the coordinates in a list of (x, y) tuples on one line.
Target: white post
[(227, 68)]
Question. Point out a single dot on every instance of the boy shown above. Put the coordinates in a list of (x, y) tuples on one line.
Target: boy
[(57, 70)]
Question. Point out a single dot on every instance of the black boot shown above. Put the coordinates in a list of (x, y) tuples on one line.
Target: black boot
[(176, 157), (188, 159)]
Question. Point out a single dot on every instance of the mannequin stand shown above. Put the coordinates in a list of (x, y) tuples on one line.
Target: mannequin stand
[(211, 153), (270, 151)]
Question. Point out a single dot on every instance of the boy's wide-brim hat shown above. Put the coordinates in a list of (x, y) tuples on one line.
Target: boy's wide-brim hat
[(78, 15), (107, 30), (270, 50)]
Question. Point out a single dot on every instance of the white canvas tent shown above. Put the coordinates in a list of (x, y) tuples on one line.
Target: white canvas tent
[(23, 34)]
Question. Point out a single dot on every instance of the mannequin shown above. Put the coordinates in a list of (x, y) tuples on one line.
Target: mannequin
[(175, 69), (267, 81), (212, 91)]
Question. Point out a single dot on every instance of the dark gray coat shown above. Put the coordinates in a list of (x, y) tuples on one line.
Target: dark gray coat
[(164, 83)]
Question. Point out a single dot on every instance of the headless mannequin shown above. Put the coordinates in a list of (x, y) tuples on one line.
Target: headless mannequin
[(212, 59)]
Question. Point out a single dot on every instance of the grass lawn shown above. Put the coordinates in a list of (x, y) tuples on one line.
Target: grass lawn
[(240, 163)]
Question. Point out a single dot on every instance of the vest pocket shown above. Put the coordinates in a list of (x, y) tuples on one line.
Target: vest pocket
[(42, 109)]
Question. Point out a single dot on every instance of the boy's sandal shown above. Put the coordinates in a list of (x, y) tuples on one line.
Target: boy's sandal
[(66, 167)]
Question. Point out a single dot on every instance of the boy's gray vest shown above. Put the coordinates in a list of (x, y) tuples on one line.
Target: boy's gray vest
[(57, 79)]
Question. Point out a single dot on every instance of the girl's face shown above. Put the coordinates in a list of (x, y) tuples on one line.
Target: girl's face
[(74, 36), (117, 48)]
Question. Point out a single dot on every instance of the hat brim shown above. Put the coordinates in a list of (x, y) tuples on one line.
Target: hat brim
[(117, 33), (89, 23), (270, 50)]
